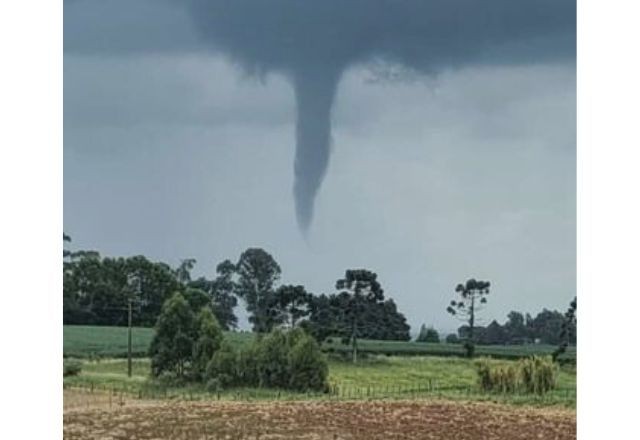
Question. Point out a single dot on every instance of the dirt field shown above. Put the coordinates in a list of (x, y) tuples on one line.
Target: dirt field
[(94, 416)]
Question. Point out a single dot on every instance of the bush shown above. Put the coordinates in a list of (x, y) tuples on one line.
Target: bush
[(532, 375), (71, 368), (493, 377), (308, 366), (539, 374), (272, 358), (246, 368), (209, 339), (291, 360), (223, 367)]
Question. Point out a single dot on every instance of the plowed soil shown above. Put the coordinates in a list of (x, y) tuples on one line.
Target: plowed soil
[(91, 416)]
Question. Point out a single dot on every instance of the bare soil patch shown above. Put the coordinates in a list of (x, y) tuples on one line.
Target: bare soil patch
[(88, 416)]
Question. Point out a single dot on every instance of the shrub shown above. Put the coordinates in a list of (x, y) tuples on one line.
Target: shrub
[(246, 368), (307, 366), (209, 339), (223, 367), (272, 358), (532, 375), (494, 377), (539, 374), (71, 368)]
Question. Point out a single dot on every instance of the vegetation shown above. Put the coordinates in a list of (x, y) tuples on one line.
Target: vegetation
[(428, 335), (568, 332), (258, 273), (536, 374), (473, 295), (373, 377), (71, 367), (358, 311), (111, 342)]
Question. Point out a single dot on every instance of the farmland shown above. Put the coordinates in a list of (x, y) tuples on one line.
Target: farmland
[(382, 396), (89, 417), (96, 341), (393, 377)]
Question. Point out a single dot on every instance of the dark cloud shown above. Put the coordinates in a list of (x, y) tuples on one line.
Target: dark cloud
[(314, 42)]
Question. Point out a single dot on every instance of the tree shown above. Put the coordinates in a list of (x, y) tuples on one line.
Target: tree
[(359, 290), (452, 338), (323, 315), (66, 239), (428, 335), (495, 334), (547, 326), (210, 338), (257, 273), (472, 298), (568, 333), (516, 328), (183, 272), (292, 303), (172, 345)]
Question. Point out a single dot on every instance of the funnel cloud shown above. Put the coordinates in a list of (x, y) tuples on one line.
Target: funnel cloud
[(313, 43)]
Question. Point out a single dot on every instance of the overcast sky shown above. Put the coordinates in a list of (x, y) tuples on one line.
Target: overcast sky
[(436, 174)]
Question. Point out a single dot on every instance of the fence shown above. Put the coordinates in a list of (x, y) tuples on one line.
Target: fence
[(118, 396)]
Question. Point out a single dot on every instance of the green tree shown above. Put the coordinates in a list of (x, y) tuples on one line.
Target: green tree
[(172, 345), (222, 370), (210, 338), (183, 272), (495, 334), (308, 368), (292, 303), (359, 291), (516, 328), (221, 292), (452, 338), (568, 334), (428, 335), (473, 295), (258, 273)]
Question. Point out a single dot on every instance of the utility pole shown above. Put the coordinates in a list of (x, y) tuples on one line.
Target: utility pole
[(130, 317), (129, 341)]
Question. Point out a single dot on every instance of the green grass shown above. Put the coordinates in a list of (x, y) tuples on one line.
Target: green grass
[(376, 377), (96, 341), (401, 348), (81, 341)]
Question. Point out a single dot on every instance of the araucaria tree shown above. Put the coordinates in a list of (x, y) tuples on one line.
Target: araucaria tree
[(292, 303), (473, 296), (359, 291), (258, 273)]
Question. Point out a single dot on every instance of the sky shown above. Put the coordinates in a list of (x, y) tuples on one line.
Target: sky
[(446, 139)]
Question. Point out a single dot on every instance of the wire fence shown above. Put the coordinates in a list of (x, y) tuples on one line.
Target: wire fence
[(118, 396)]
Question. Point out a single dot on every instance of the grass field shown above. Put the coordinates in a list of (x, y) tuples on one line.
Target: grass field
[(95, 341), (80, 341), (386, 375), (392, 377)]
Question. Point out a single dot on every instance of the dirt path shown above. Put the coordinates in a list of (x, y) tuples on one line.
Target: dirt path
[(361, 420)]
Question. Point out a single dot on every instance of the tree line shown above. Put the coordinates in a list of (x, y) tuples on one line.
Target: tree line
[(97, 291)]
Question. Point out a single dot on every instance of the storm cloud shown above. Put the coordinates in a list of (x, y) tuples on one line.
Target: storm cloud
[(314, 43)]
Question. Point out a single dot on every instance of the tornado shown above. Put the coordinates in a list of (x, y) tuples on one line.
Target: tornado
[(315, 91), (313, 42)]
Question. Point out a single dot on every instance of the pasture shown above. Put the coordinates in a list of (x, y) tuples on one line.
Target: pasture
[(97, 341), (389, 377)]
